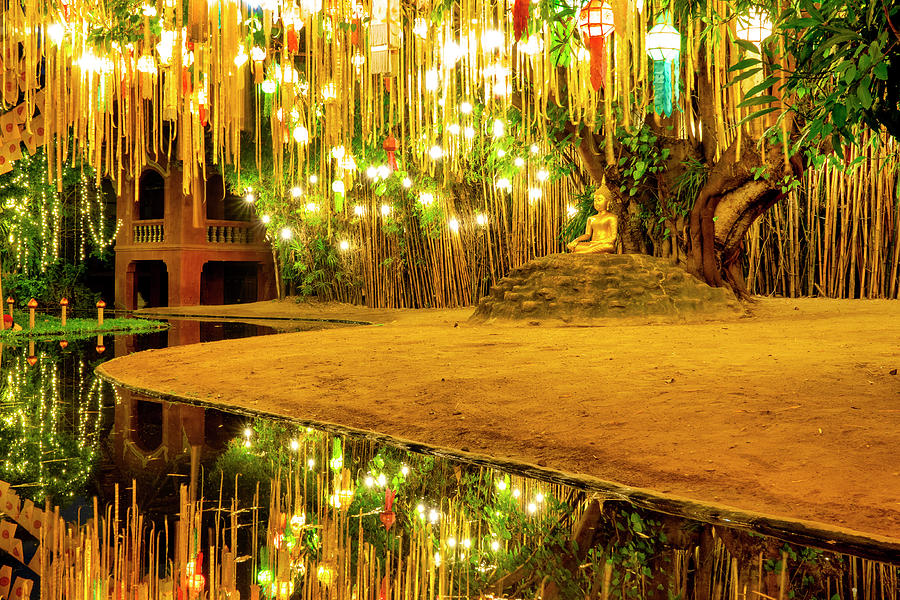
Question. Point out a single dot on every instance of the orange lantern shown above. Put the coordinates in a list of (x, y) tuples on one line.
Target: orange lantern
[(596, 24), (390, 146)]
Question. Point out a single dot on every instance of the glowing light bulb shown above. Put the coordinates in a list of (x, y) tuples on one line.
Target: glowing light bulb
[(495, 545), (535, 194), (539, 497), (467, 543), (492, 39), (437, 559), (146, 64), (433, 516), (404, 470), (426, 198), (501, 485), (248, 432), (257, 53), (431, 80), (535, 149), (269, 86), (453, 224), (481, 219), (311, 206), (286, 233), (148, 10), (533, 45), (501, 152), (504, 184), (250, 198), (420, 507), (499, 129), (571, 211), (371, 172), (385, 210), (436, 152), (519, 162), (532, 507), (296, 192), (338, 152), (56, 32), (420, 27), (453, 128), (469, 132), (358, 210), (465, 108), (313, 179), (451, 542), (407, 182), (451, 53), (370, 481), (241, 59), (294, 445), (265, 219), (382, 480), (301, 134), (516, 493), (543, 175)]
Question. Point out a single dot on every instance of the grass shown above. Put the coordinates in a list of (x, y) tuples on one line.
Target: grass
[(47, 327)]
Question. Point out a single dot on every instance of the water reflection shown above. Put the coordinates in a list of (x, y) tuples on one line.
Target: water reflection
[(210, 504)]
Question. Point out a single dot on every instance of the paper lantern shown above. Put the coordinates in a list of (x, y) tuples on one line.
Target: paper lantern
[(390, 146), (664, 47), (754, 27), (596, 23)]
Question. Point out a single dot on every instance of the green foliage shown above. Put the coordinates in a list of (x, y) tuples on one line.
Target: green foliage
[(845, 51), (118, 22), (642, 160), (48, 327), (60, 280)]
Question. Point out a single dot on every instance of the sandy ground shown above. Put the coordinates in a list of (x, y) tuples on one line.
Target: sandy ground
[(793, 412)]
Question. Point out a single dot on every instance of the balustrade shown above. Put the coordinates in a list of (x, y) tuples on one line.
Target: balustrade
[(149, 233)]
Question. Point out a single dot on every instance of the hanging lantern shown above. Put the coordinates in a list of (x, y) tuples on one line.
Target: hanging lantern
[(384, 38), (596, 24), (754, 27), (664, 47), (391, 145), (520, 17), (388, 518)]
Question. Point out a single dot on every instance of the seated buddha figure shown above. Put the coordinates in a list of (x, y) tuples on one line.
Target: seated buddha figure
[(600, 233)]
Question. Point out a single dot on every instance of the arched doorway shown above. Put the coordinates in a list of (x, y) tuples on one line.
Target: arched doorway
[(151, 202)]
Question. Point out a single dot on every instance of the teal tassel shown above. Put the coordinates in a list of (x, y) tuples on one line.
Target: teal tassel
[(662, 87)]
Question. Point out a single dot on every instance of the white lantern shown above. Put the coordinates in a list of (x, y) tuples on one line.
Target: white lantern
[(663, 42)]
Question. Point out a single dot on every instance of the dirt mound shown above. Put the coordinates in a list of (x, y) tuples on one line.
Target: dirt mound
[(590, 289)]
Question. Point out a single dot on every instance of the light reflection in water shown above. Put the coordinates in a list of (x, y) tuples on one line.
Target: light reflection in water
[(270, 509)]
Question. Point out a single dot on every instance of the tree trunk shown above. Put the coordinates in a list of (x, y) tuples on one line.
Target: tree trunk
[(736, 193)]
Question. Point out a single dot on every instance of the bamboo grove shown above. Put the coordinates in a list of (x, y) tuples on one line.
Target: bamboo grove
[(410, 153)]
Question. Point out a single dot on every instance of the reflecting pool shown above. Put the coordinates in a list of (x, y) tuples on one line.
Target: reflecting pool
[(153, 499)]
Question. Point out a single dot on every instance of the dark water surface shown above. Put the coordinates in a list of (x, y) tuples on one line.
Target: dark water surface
[(288, 511)]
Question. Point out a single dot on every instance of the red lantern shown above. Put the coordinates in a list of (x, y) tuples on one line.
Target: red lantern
[(520, 17), (596, 24), (390, 145), (388, 518)]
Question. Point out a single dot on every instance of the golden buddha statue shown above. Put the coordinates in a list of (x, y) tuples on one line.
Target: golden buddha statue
[(600, 233)]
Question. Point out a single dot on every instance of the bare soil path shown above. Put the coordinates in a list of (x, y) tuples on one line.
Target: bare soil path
[(794, 411)]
